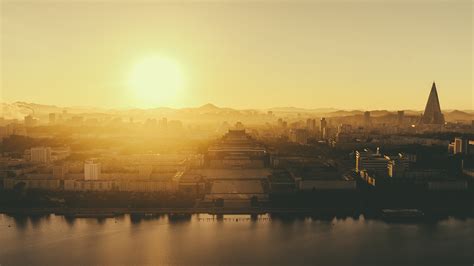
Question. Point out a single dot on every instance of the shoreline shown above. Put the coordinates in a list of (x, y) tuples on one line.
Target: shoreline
[(158, 211), (113, 212)]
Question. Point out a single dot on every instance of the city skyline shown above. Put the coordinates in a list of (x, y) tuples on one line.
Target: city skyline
[(150, 132), (311, 54), (296, 108)]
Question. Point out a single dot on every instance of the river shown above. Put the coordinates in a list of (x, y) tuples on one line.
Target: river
[(232, 239)]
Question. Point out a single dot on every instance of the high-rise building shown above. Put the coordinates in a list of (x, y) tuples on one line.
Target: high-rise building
[(461, 146), (30, 121), (40, 154), (60, 171), (432, 114), (344, 128), (310, 124), (92, 170), (163, 123), (299, 135), (400, 117), (376, 162), (367, 119), (344, 133), (52, 118), (398, 165), (323, 128)]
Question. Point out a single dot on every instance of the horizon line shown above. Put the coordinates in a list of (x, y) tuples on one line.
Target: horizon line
[(335, 109)]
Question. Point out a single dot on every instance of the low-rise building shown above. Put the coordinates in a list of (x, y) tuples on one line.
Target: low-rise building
[(145, 185), (88, 185), (32, 183), (281, 180), (448, 185), (321, 184), (322, 177)]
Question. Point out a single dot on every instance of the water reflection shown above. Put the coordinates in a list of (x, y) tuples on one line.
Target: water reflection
[(254, 217), (179, 218), (37, 218), (21, 221), (70, 220), (226, 239), (101, 220), (137, 218)]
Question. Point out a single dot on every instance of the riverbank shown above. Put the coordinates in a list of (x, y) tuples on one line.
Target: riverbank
[(113, 212)]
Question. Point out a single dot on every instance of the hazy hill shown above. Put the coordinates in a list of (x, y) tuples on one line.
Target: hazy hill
[(457, 115), (18, 110), (301, 110)]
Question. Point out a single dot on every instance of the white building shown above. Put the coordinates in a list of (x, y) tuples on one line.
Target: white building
[(92, 170), (40, 154)]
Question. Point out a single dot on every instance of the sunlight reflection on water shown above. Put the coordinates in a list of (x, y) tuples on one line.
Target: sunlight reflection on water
[(230, 239)]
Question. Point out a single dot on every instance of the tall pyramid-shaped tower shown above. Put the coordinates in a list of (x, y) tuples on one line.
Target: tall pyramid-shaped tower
[(432, 114)]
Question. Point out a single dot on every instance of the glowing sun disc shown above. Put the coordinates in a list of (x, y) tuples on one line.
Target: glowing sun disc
[(156, 80)]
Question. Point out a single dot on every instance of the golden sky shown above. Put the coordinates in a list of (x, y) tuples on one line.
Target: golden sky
[(345, 54)]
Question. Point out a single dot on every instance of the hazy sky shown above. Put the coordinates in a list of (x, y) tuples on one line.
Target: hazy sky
[(343, 54)]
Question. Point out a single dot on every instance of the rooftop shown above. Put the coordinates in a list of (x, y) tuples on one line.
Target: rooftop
[(317, 173), (259, 173)]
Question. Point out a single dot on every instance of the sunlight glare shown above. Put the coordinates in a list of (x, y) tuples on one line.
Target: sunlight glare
[(156, 80)]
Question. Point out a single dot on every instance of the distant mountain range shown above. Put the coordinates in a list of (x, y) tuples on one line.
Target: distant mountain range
[(18, 110)]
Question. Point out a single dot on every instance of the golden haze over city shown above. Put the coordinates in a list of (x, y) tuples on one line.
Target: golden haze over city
[(236, 132), (377, 54)]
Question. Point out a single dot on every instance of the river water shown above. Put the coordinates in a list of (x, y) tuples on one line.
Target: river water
[(209, 240)]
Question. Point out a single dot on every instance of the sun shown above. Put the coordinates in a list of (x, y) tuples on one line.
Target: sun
[(156, 80)]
